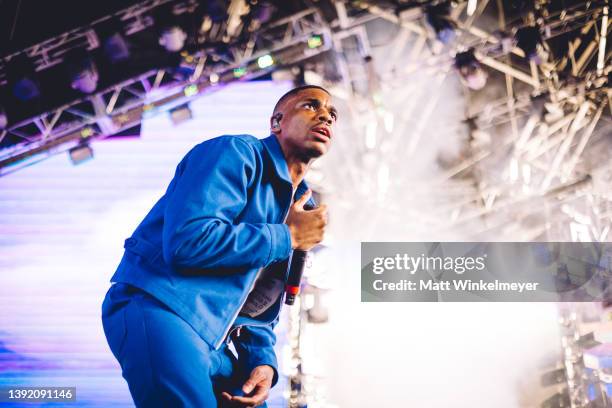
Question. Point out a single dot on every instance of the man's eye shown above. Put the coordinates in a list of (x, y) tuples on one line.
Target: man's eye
[(334, 116), (309, 105)]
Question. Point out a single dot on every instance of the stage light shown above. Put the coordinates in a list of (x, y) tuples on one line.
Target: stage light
[(530, 41), (214, 78), (239, 72), (114, 44), (315, 41), (191, 90), (21, 78), (284, 74), (82, 71), (438, 17), (265, 61), (80, 153), (173, 39), (171, 35), (116, 48), (87, 132), (180, 114), (26, 89), (471, 71)]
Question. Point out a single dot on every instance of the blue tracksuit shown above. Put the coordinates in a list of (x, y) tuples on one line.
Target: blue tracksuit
[(197, 255)]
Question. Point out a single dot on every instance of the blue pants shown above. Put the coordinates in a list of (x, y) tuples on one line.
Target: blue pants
[(163, 360)]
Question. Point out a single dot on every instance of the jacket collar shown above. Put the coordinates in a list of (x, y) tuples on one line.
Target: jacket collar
[(280, 163), (278, 158)]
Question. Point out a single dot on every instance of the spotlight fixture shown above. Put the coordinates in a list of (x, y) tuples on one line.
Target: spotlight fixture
[(116, 48), (180, 114), (190, 90), (471, 71), (21, 78), (82, 71), (114, 44), (265, 61), (173, 39), (171, 35), (438, 17), (239, 72), (80, 153), (315, 41), (530, 41)]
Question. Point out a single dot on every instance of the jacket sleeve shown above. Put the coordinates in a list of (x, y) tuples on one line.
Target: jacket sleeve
[(255, 347), (203, 202)]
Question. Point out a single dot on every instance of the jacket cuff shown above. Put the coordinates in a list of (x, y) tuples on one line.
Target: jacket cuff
[(280, 243), (263, 356)]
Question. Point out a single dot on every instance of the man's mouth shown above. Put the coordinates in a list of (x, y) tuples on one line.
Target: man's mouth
[(323, 131)]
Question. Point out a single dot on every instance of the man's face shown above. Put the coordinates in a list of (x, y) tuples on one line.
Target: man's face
[(306, 127)]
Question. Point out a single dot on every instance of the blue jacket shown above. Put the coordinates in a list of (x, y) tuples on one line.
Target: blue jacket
[(202, 245)]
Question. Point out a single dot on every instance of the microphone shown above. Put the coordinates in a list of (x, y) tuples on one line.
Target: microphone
[(296, 270)]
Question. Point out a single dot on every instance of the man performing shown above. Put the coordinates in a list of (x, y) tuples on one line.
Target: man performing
[(207, 266)]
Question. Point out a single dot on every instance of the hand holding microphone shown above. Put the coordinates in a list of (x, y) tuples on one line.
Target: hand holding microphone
[(306, 227)]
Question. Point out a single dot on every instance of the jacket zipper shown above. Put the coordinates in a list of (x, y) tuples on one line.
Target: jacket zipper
[(227, 333)]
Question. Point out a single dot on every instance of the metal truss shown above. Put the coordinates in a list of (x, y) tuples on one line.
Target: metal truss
[(123, 105), (525, 182), (51, 52), (492, 47), (535, 145)]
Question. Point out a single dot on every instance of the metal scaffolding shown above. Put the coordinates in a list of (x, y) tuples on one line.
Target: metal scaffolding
[(123, 105)]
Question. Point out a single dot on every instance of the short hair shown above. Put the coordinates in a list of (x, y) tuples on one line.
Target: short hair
[(295, 91)]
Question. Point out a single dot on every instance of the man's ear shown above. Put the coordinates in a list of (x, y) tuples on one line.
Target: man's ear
[(275, 122)]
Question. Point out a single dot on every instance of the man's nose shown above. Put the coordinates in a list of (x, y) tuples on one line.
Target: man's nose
[(325, 117)]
